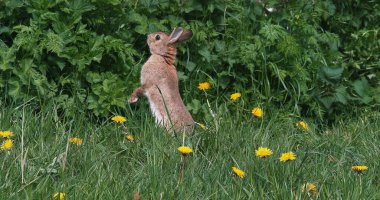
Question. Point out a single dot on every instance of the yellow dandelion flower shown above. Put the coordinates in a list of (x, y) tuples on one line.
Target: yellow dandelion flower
[(185, 150), (6, 134), (119, 119), (130, 138), (7, 145), (202, 125), (257, 112), (76, 141), (235, 96), (263, 152), (59, 195), (287, 156), (310, 189), (359, 168), (303, 125), (204, 86), (238, 172)]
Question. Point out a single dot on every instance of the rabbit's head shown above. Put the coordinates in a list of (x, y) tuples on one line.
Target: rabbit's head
[(159, 42)]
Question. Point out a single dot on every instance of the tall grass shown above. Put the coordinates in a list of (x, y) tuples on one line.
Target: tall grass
[(108, 166)]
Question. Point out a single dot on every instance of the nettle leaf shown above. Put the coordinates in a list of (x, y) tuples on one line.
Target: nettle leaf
[(205, 53), (190, 66), (182, 76), (107, 90), (331, 74), (4, 29), (361, 87), (50, 16), (14, 4), (114, 2), (92, 52), (194, 106), (342, 95), (192, 5), (14, 88), (93, 104), (23, 71), (331, 39), (79, 7), (175, 20), (141, 21), (7, 58), (59, 62), (142, 29), (93, 77), (137, 18)]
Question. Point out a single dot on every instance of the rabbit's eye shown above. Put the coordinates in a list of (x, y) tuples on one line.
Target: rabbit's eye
[(158, 37)]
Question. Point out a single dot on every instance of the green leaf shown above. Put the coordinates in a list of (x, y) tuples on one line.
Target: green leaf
[(190, 66), (205, 53), (288, 46), (14, 88), (182, 76), (272, 32), (342, 95), (53, 42), (194, 106), (330, 73), (361, 87)]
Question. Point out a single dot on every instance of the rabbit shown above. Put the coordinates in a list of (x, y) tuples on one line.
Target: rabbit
[(159, 82)]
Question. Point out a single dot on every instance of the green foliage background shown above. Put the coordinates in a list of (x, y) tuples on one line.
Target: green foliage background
[(316, 58)]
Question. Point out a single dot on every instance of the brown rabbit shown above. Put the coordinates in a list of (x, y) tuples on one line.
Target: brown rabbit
[(159, 82)]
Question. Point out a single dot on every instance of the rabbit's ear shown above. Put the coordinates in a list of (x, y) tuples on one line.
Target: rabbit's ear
[(179, 35)]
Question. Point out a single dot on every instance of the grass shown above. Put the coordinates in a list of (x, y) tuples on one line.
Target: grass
[(107, 166)]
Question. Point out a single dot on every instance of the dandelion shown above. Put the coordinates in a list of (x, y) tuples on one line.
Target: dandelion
[(257, 112), (204, 86), (303, 125), (185, 150), (7, 145), (130, 138), (359, 168), (263, 152), (202, 125), (235, 96), (287, 156), (59, 195), (238, 172), (310, 189), (119, 119), (6, 134), (76, 141)]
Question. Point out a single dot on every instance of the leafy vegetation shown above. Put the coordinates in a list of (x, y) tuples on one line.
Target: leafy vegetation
[(67, 67), (317, 58)]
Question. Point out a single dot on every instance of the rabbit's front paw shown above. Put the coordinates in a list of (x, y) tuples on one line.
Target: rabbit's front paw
[(133, 99)]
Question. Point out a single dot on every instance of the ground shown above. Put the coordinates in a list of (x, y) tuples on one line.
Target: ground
[(106, 165)]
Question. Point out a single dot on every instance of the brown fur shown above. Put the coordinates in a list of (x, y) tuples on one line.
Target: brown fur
[(159, 74)]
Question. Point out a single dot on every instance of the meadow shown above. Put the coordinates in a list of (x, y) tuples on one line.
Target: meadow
[(107, 164), (304, 78)]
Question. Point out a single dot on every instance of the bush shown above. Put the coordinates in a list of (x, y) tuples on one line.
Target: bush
[(316, 58)]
